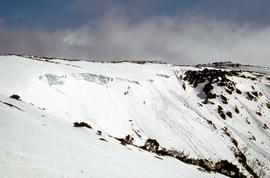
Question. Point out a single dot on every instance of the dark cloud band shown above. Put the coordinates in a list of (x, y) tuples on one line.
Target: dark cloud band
[(181, 41)]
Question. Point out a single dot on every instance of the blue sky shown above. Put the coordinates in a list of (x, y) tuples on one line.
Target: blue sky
[(72, 13), (169, 30)]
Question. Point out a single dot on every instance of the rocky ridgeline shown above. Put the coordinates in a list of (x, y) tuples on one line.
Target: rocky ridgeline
[(195, 77), (210, 77)]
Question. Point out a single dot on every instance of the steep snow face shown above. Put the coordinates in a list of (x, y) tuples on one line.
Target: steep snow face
[(37, 144), (145, 101)]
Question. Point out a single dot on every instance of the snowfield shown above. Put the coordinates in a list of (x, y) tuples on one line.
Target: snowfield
[(150, 100)]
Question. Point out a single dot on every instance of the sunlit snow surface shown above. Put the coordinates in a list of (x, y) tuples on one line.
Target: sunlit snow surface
[(142, 100)]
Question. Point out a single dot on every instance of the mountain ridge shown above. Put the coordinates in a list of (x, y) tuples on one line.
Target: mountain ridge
[(156, 101)]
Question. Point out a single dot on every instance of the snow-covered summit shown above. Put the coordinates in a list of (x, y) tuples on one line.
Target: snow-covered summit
[(205, 112)]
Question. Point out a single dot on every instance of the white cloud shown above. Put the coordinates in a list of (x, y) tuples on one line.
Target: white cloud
[(188, 40)]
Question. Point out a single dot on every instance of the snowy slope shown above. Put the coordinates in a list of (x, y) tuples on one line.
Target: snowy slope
[(142, 100), (36, 144)]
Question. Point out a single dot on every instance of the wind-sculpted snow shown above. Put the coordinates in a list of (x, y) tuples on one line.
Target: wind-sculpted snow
[(203, 112), (60, 80), (99, 79), (54, 79)]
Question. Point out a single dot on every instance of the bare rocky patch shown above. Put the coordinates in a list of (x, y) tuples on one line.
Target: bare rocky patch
[(16, 97), (212, 77), (82, 124)]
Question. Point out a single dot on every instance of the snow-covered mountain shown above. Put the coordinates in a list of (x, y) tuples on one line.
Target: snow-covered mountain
[(132, 119)]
